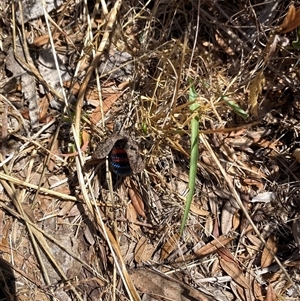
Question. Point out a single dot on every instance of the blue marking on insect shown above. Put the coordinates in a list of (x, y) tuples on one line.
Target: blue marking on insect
[(119, 161)]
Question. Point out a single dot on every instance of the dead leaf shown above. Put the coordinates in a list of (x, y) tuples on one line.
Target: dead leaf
[(208, 226), (238, 291), (257, 291), (259, 185), (132, 217), (199, 211), (236, 219), (291, 21), (268, 144), (264, 197), (89, 236), (4, 246), (136, 201), (269, 250), (85, 137), (250, 278), (271, 296), (233, 270), (44, 39), (66, 207), (170, 245), (96, 115), (255, 241), (28, 83), (296, 154), (213, 246), (47, 68), (226, 255), (161, 287), (216, 229), (227, 214), (255, 88), (143, 250), (43, 110)]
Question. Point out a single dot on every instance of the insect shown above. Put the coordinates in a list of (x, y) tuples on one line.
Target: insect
[(119, 160), (123, 155)]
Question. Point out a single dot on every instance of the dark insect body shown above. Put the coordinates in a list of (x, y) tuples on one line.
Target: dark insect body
[(119, 161), (123, 154)]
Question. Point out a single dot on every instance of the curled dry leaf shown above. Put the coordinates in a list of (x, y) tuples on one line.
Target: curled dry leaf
[(85, 136), (291, 21)]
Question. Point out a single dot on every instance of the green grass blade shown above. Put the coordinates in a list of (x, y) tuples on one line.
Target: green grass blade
[(235, 107), (194, 154)]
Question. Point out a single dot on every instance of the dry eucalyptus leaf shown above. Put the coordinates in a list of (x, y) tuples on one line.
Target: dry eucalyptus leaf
[(234, 271), (62, 296), (213, 246)]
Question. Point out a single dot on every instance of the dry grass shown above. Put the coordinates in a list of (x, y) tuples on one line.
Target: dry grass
[(72, 230)]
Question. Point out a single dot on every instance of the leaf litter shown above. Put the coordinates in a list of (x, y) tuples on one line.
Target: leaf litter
[(71, 73)]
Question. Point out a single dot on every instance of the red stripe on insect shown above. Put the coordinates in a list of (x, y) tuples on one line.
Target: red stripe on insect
[(119, 155)]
